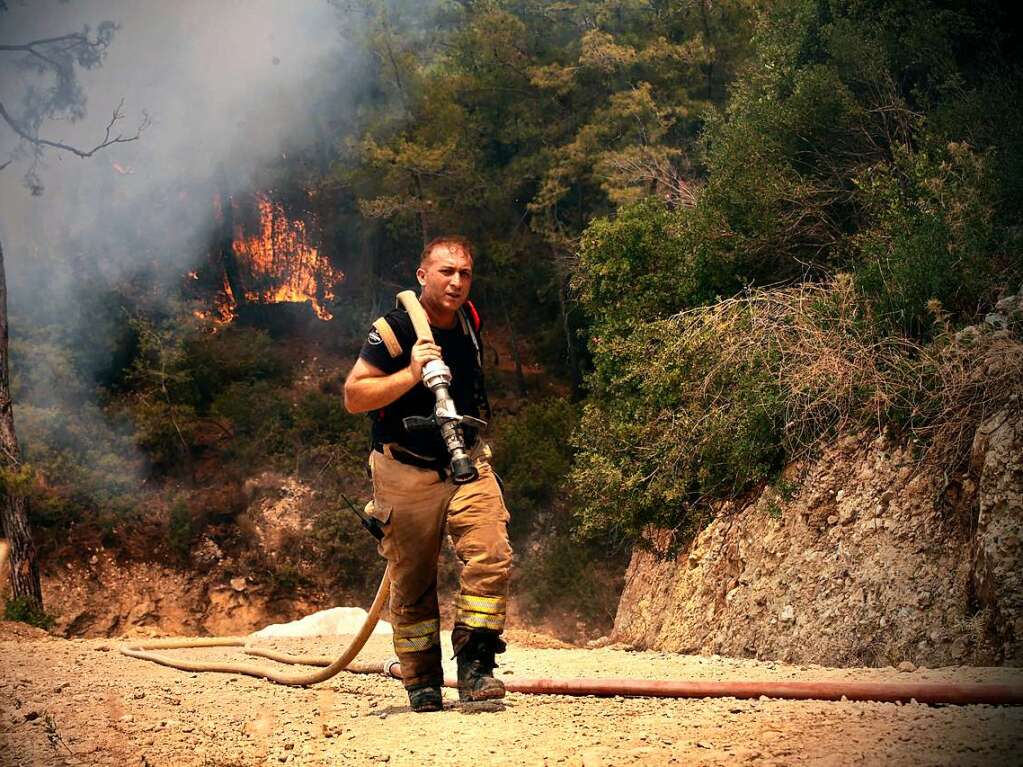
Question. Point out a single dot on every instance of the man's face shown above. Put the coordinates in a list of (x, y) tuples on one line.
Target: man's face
[(446, 276)]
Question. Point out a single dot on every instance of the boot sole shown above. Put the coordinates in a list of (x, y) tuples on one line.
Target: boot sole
[(426, 709), (467, 696)]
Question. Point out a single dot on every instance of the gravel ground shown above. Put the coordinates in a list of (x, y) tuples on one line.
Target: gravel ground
[(79, 702)]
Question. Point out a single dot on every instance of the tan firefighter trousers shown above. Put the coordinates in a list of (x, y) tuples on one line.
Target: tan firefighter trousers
[(413, 504)]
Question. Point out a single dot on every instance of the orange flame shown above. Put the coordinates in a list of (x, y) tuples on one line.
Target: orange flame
[(224, 306), (280, 263)]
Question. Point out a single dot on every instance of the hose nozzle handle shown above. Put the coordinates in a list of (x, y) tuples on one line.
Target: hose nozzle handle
[(422, 423), (463, 471), (419, 423)]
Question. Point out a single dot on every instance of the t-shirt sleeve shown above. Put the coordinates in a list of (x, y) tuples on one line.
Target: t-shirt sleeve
[(375, 352)]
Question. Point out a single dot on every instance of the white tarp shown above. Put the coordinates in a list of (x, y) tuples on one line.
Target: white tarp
[(337, 621)]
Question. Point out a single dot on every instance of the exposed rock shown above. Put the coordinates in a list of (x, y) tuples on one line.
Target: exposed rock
[(871, 563), (207, 554), (223, 594), (998, 554)]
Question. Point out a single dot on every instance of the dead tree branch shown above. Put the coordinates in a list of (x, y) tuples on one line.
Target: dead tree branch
[(107, 140)]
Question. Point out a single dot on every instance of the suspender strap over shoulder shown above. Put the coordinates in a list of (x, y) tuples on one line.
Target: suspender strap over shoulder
[(383, 329), (468, 318)]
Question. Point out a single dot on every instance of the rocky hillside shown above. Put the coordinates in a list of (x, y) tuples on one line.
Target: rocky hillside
[(271, 566), (860, 557)]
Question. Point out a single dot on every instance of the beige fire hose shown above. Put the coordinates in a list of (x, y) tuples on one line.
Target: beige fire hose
[(144, 651), (416, 313), (147, 650), (922, 692)]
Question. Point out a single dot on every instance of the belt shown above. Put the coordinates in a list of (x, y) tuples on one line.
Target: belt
[(407, 457)]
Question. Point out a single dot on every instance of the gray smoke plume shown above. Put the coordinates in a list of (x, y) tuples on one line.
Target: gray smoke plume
[(232, 88), (230, 84)]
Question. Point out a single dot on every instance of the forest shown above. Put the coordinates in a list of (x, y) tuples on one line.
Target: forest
[(711, 238)]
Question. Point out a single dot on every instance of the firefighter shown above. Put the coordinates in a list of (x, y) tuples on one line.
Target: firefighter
[(413, 495)]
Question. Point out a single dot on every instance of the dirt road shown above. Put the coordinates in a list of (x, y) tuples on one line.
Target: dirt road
[(78, 702)]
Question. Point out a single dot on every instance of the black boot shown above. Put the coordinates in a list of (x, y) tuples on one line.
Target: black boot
[(425, 697), (476, 666)]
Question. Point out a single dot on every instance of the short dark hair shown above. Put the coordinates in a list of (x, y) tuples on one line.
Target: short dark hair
[(447, 239)]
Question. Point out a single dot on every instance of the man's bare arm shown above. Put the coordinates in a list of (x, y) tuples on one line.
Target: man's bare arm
[(370, 388)]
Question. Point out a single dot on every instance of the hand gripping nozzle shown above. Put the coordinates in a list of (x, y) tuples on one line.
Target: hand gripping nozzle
[(437, 378)]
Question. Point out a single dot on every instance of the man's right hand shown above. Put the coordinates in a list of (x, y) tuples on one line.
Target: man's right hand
[(423, 351)]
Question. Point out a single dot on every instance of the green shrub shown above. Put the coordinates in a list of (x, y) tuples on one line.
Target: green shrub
[(711, 403), (566, 581), (261, 417), (930, 237), (344, 547), (632, 266), (85, 470), (179, 530), (24, 610), (321, 418), (166, 433), (676, 416), (212, 362), (533, 457)]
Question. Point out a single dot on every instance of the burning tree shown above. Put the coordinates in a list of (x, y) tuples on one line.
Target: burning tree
[(274, 261), (59, 59)]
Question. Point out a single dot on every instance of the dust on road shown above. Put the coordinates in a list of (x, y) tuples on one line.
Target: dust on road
[(79, 702)]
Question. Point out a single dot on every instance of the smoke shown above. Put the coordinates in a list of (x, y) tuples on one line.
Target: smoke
[(233, 88), (231, 84)]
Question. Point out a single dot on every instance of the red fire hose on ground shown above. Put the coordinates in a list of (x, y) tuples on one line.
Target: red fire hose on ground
[(921, 692)]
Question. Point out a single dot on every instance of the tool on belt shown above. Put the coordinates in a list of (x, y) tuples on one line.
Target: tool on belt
[(437, 378)]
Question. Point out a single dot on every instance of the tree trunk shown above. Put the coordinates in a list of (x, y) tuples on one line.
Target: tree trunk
[(520, 377), (225, 241), (423, 224), (575, 368), (706, 39), (13, 505)]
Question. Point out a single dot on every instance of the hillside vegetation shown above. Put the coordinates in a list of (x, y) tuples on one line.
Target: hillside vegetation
[(860, 204), (712, 237)]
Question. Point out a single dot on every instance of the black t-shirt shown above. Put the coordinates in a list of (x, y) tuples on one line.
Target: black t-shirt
[(459, 353)]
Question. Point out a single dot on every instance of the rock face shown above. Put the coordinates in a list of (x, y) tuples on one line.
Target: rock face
[(858, 558), (998, 554), (110, 598)]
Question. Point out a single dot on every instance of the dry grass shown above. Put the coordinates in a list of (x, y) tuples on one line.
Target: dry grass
[(837, 373), (965, 382), (712, 402)]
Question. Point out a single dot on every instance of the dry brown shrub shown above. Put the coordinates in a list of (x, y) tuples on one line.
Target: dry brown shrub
[(963, 381), (838, 373), (712, 402)]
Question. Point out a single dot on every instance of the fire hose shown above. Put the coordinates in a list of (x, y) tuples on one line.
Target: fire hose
[(436, 376), (889, 692)]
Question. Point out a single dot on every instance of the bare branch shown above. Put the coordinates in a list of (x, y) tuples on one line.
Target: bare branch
[(120, 138), (23, 47)]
